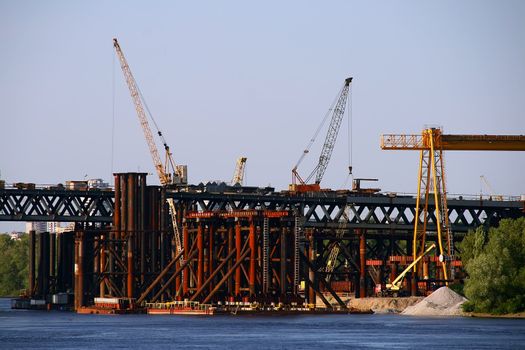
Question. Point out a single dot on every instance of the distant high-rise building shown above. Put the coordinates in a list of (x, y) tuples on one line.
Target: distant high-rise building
[(50, 226), (37, 226)]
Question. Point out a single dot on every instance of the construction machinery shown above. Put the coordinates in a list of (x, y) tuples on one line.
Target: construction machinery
[(395, 286), (179, 176), (431, 181), (337, 111), (492, 195), (238, 175)]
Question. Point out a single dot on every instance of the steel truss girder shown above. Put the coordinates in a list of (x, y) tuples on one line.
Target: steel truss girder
[(320, 210), (370, 212), (53, 205)]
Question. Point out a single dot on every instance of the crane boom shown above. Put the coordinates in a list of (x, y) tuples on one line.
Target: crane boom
[(333, 130), (396, 284), (337, 110), (453, 142), (164, 176), (238, 175), (135, 96)]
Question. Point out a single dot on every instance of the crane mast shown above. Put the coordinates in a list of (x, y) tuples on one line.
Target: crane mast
[(163, 174), (333, 131), (337, 112)]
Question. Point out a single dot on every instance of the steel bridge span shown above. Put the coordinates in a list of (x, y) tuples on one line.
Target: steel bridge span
[(323, 210)]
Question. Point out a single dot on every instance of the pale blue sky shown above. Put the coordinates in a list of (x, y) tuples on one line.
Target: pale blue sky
[(231, 78)]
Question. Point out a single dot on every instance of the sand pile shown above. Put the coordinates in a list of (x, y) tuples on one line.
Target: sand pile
[(383, 304), (443, 302)]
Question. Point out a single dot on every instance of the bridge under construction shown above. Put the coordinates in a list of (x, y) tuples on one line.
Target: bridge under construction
[(176, 247), (238, 246)]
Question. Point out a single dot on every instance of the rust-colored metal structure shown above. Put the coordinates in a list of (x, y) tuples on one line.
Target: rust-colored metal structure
[(269, 249)]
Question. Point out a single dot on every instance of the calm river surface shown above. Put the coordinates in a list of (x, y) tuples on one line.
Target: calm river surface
[(65, 330)]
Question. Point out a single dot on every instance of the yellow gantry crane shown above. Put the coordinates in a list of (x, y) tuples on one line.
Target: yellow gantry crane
[(431, 179), (240, 168), (163, 170)]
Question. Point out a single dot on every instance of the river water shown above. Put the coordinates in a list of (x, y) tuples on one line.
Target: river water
[(20, 329)]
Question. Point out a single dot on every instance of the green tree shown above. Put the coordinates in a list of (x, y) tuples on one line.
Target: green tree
[(14, 265), (495, 263)]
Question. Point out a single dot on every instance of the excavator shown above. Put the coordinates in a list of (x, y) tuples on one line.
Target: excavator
[(298, 184)]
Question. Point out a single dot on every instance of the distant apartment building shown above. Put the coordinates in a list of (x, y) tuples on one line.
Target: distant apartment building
[(51, 227)]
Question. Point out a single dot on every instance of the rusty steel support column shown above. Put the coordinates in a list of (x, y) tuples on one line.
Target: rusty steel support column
[(153, 224), (311, 273), (253, 252), (60, 256), (130, 274), (102, 267), (362, 263), (141, 226), (40, 276), (211, 248), (114, 235), (411, 276), (425, 270), (79, 270), (186, 247), (125, 204), (283, 262), (41, 268), (32, 248), (393, 271), (238, 247), (45, 291), (200, 259), (206, 252), (230, 263), (52, 256), (131, 228)]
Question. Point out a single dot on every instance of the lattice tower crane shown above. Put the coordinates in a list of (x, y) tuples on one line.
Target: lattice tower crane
[(431, 180), (337, 110), (238, 175), (163, 171)]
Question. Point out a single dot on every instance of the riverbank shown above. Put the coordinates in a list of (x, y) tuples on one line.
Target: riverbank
[(486, 315)]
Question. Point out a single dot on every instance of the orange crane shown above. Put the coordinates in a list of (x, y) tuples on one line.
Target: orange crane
[(163, 171), (431, 179), (338, 111)]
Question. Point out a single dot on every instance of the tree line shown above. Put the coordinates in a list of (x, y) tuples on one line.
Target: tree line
[(494, 260), (14, 264)]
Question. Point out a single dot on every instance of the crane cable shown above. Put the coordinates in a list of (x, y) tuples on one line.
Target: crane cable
[(350, 150), (169, 155), (317, 131), (113, 117)]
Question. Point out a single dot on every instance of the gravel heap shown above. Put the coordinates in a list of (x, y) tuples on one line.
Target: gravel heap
[(443, 302)]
